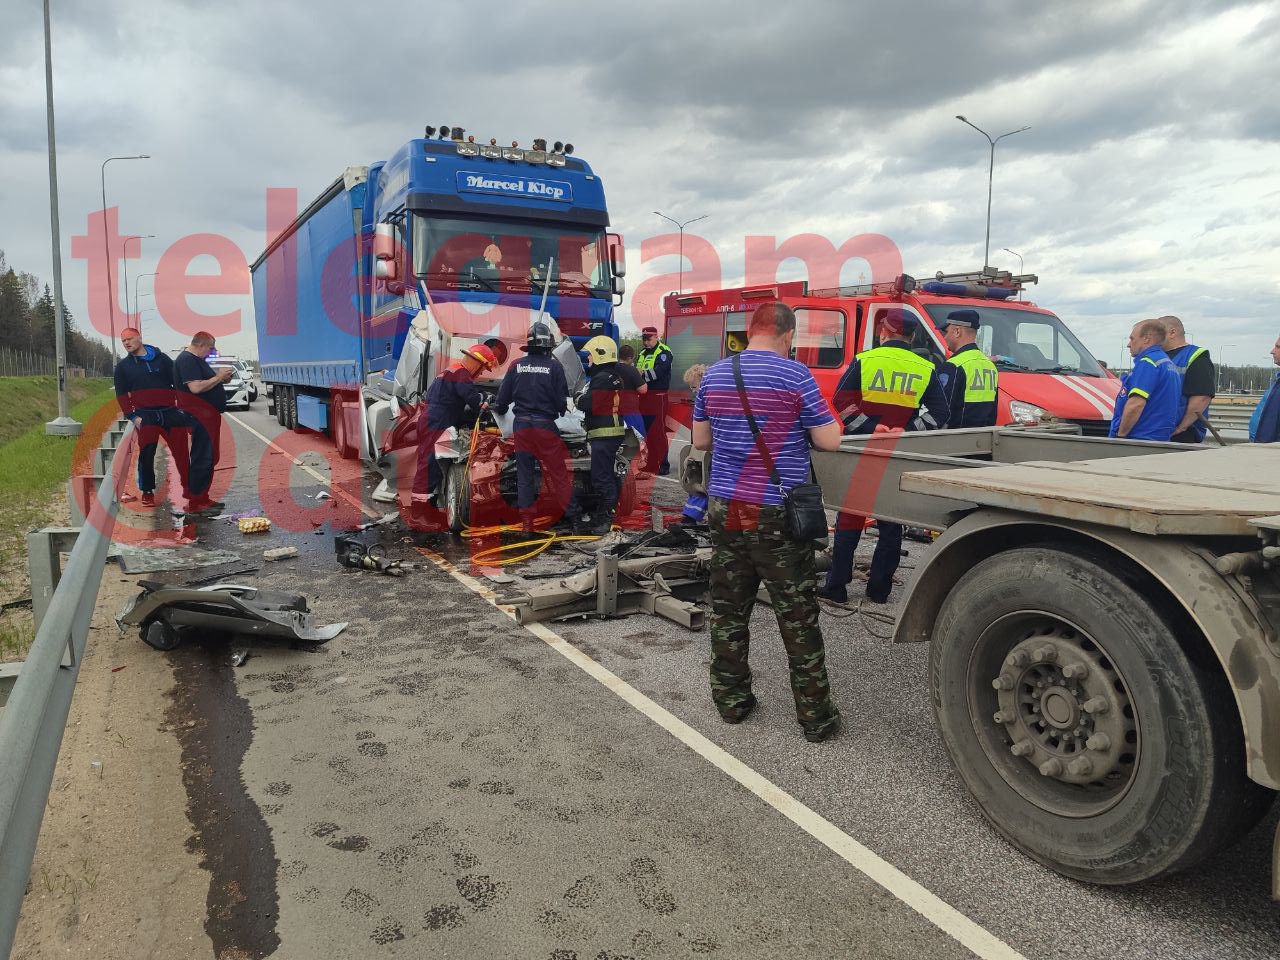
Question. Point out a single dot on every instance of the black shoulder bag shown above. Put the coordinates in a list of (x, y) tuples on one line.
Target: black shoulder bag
[(804, 517)]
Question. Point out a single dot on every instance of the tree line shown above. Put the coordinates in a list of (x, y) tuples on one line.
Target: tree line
[(28, 321)]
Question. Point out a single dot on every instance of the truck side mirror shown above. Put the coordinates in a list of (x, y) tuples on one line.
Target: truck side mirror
[(619, 286), (384, 242), (617, 255), (386, 269)]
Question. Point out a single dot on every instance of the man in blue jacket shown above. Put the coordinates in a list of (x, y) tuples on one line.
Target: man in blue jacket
[(1150, 401), (145, 391), (1264, 425)]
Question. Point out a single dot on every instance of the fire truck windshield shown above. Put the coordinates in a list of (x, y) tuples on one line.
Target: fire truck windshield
[(1020, 340), (493, 255)]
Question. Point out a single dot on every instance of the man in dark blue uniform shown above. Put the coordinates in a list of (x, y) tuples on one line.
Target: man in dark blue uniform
[(886, 388), (654, 363), (536, 386), (194, 376), (971, 380), (144, 389), (453, 400)]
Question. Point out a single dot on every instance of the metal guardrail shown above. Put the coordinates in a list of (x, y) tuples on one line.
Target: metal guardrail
[(34, 718)]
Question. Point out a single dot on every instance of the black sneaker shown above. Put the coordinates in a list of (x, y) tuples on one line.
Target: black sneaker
[(148, 499), (819, 734), (739, 713)]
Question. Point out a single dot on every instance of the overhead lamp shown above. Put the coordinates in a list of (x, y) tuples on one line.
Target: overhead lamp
[(537, 154), (430, 132), (558, 147), (540, 144), (568, 149), (513, 152), (491, 150), (555, 159), (466, 149), (444, 132), (457, 133)]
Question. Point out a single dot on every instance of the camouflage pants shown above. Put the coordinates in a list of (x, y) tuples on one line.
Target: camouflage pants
[(749, 547)]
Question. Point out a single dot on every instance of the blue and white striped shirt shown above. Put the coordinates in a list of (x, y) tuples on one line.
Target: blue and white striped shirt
[(785, 402)]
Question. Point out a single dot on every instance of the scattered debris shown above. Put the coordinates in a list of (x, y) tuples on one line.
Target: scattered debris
[(383, 520), (118, 669), (322, 495), (238, 657), (356, 555), (254, 524), (280, 553), (139, 559), (225, 575), (162, 612), (15, 604)]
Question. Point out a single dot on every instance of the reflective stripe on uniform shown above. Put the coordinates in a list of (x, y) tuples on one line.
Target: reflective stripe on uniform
[(648, 357)]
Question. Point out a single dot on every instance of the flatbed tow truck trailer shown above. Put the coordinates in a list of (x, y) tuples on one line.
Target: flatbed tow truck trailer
[(1104, 618)]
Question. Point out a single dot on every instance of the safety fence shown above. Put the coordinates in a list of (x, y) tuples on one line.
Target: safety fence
[(20, 363), (33, 718)]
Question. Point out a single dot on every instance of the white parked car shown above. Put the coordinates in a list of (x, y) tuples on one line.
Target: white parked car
[(241, 390)]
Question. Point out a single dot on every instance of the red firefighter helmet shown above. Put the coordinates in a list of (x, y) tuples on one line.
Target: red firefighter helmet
[(483, 354)]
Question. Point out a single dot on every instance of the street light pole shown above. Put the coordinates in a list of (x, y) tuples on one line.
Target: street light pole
[(991, 171), (680, 226), (1222, 350), (1020, 267), (135, 290), (106, 246), (124, 264), (62, 425)]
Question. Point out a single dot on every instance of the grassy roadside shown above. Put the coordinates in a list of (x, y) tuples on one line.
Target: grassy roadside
[(33, 471)]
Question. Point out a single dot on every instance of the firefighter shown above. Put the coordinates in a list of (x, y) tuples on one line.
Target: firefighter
[(969, 377), (609, 397), (536, 387), (453, 400), (654, 363), (885, 388)]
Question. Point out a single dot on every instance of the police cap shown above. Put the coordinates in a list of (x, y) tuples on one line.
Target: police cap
[(962, 318)]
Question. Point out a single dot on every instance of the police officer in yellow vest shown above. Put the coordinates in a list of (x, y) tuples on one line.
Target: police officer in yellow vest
[(886, 388), (969, 377), (654, 363)]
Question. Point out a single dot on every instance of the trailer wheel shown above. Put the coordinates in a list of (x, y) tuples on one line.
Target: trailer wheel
[(1085, 732), (457, 496), (290, 408), (160, 635)]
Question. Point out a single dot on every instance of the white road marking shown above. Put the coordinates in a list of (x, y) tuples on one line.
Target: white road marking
[(931, 907), (934, 909), (340, 494)]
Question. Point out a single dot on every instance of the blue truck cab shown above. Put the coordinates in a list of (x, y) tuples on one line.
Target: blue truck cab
[(400, 265)]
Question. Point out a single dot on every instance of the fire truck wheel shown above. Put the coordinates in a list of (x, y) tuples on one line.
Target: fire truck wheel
[(160, 635), (457, 497), (1092, 740)]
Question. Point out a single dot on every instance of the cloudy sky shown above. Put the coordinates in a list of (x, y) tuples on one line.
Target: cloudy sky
[(1149, 182)]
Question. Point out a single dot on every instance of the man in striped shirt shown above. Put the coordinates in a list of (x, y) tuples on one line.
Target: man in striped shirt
[(750, 544)]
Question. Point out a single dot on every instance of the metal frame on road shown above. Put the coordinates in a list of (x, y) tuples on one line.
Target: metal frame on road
[(34, 718)]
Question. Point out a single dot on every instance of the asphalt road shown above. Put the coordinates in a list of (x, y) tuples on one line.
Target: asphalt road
[(439, 781)]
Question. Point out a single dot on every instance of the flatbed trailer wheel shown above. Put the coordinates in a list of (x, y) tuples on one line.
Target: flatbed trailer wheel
[(290, 408), (1088, 736), (457, 496)]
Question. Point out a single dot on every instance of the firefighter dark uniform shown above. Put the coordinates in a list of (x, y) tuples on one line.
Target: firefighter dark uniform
[(536, 387), (453, 400), (606, 400), (654, 364), (888, 386)]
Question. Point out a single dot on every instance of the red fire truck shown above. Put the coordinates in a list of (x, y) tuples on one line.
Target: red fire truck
[(1044, 368)]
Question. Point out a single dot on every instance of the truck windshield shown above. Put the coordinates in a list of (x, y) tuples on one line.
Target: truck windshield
[(492, 255), (1021, 340)]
